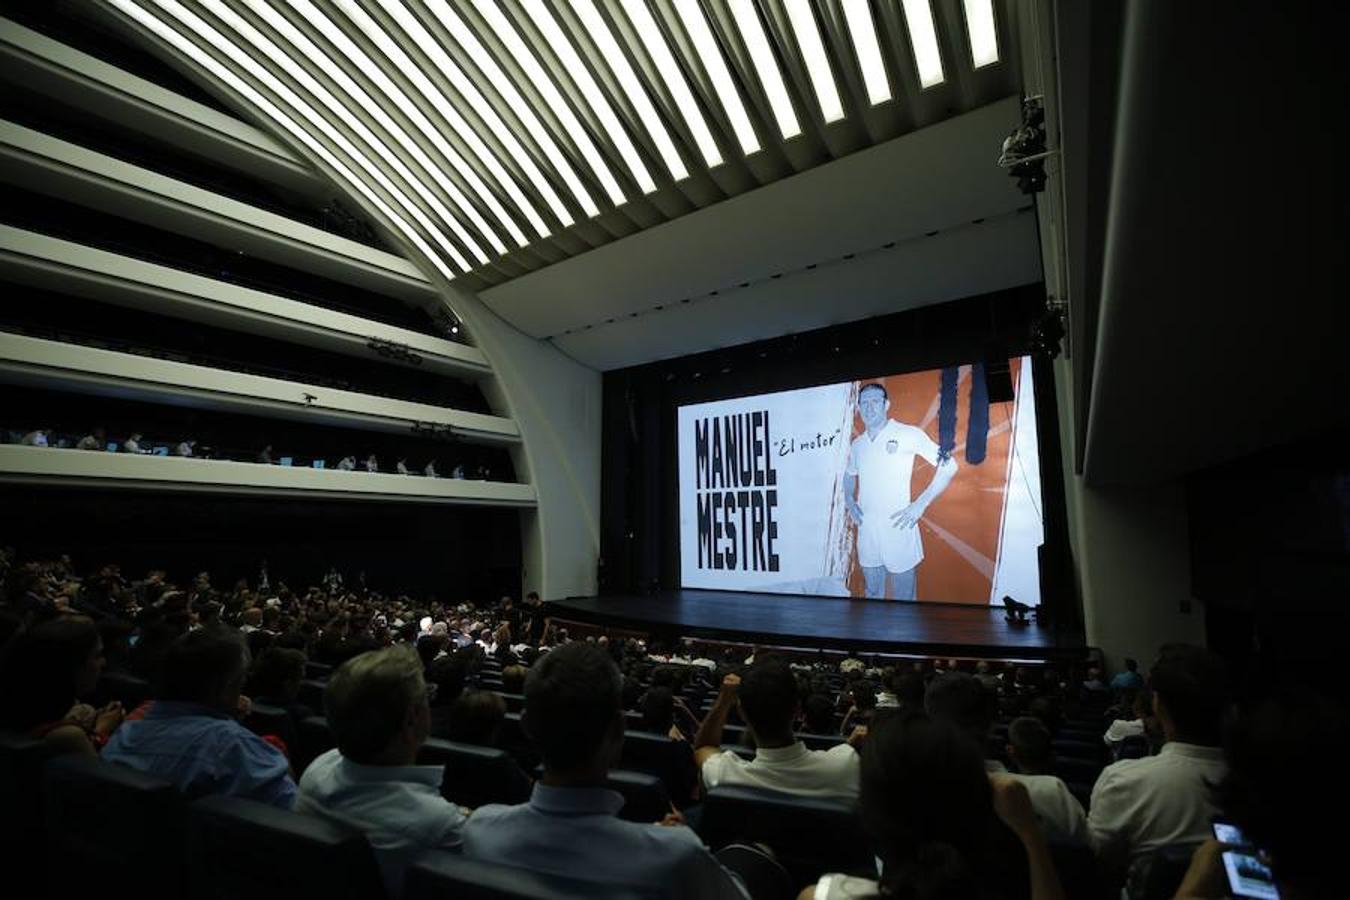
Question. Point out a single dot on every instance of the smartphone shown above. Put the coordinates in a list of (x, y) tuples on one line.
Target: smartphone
[(1226, 833), (1248, 876)]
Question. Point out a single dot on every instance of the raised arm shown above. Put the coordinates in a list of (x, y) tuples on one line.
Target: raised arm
[(708, 741)]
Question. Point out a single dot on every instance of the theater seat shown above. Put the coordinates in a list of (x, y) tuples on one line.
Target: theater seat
[(1167, 868), (1081, 771), (311, 693), (21, 762), (1078, 870), (263, 719), (317, 670), (1078, 749), (315, 738), (644, 796), (809, 836), (102, 817), (127, 689), (438, 875), (241, 848), (669, 759), (476, 776), (514, 702)]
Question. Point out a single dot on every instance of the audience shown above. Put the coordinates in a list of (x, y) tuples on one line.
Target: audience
[(1130, 679), (189, 735), (1279, 792), (1140, 805), (767, 701), (942, 826), (569, 827), (376, 704), (46, 671), (1060, 814)]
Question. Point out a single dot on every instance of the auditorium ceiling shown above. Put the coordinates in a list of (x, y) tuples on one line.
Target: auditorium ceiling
[(510, 141)]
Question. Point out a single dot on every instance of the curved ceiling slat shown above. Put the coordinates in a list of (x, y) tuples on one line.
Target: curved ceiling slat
[(508, 134)]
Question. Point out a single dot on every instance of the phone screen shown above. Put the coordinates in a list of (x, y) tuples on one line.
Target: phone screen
[(1248, 876), (1225, 833)]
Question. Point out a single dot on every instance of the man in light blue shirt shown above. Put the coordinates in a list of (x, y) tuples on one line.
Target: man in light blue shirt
[(574, 717), (190, 738), (1129, 679), (376, 704)]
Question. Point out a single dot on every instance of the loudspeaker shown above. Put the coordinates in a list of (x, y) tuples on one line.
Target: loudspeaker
[(998, 380)]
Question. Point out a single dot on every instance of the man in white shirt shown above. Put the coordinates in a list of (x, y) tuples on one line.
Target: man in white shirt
[(574, 718), (1140, 805), (880, 468), (133, 444), (34, 439), (768, 702), (1060, 814), (185, 448), (377, 707)]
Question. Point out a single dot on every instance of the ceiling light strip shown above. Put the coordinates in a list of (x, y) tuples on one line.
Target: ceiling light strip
[(236, 53), (465, 37), (485, 110), (617, 60), (659, 51), (595, 98), (338, 109), (552, 97), (366, 103), (370, 69), (982, 31), (766, 67), (273, 114), (863, 33), (394, 53), (705, 45), (923, 41), (812, 49)]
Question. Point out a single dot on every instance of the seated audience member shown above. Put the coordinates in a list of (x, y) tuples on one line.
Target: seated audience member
[(449, 674), (45, 671), (133, 444), (275, 681), (513, 679), (958, 698), (863, 694), (569, 827), (1130, 679), (767, 698), (1060, 813), (1133, 711), (909, 691), (376, 704), (189, 736), (817, 714), (476, 718), (985, 676), (1139, 805), (1093, 689), (1277, 778), (942, 826)]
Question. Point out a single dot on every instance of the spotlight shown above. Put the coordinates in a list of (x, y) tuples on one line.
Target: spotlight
[(1015, 612), (1047, 332), (1024, 150)]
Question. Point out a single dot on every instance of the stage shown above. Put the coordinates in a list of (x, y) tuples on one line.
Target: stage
[(838, 623)]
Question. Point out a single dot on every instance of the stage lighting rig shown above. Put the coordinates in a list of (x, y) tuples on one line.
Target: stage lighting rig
[(436, 431), (1024, 152), (447, 323), (394, 350), (1048, 331)]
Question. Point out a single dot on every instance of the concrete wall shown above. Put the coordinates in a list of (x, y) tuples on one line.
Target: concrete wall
[(1131, 556)]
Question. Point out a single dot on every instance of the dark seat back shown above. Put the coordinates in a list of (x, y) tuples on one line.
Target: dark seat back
[(438, 875), (241, 848), (314, 739), (105, 817), (127, 689), (665, 757), (476, 776), (311, 693), (1080, 771), (514, 702), (1166, 869), (263, 719), (644, 796), (1078, 870), (21, 761), (809, 836)]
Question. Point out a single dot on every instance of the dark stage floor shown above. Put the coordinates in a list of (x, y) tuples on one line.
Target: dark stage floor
[(868, 625)]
